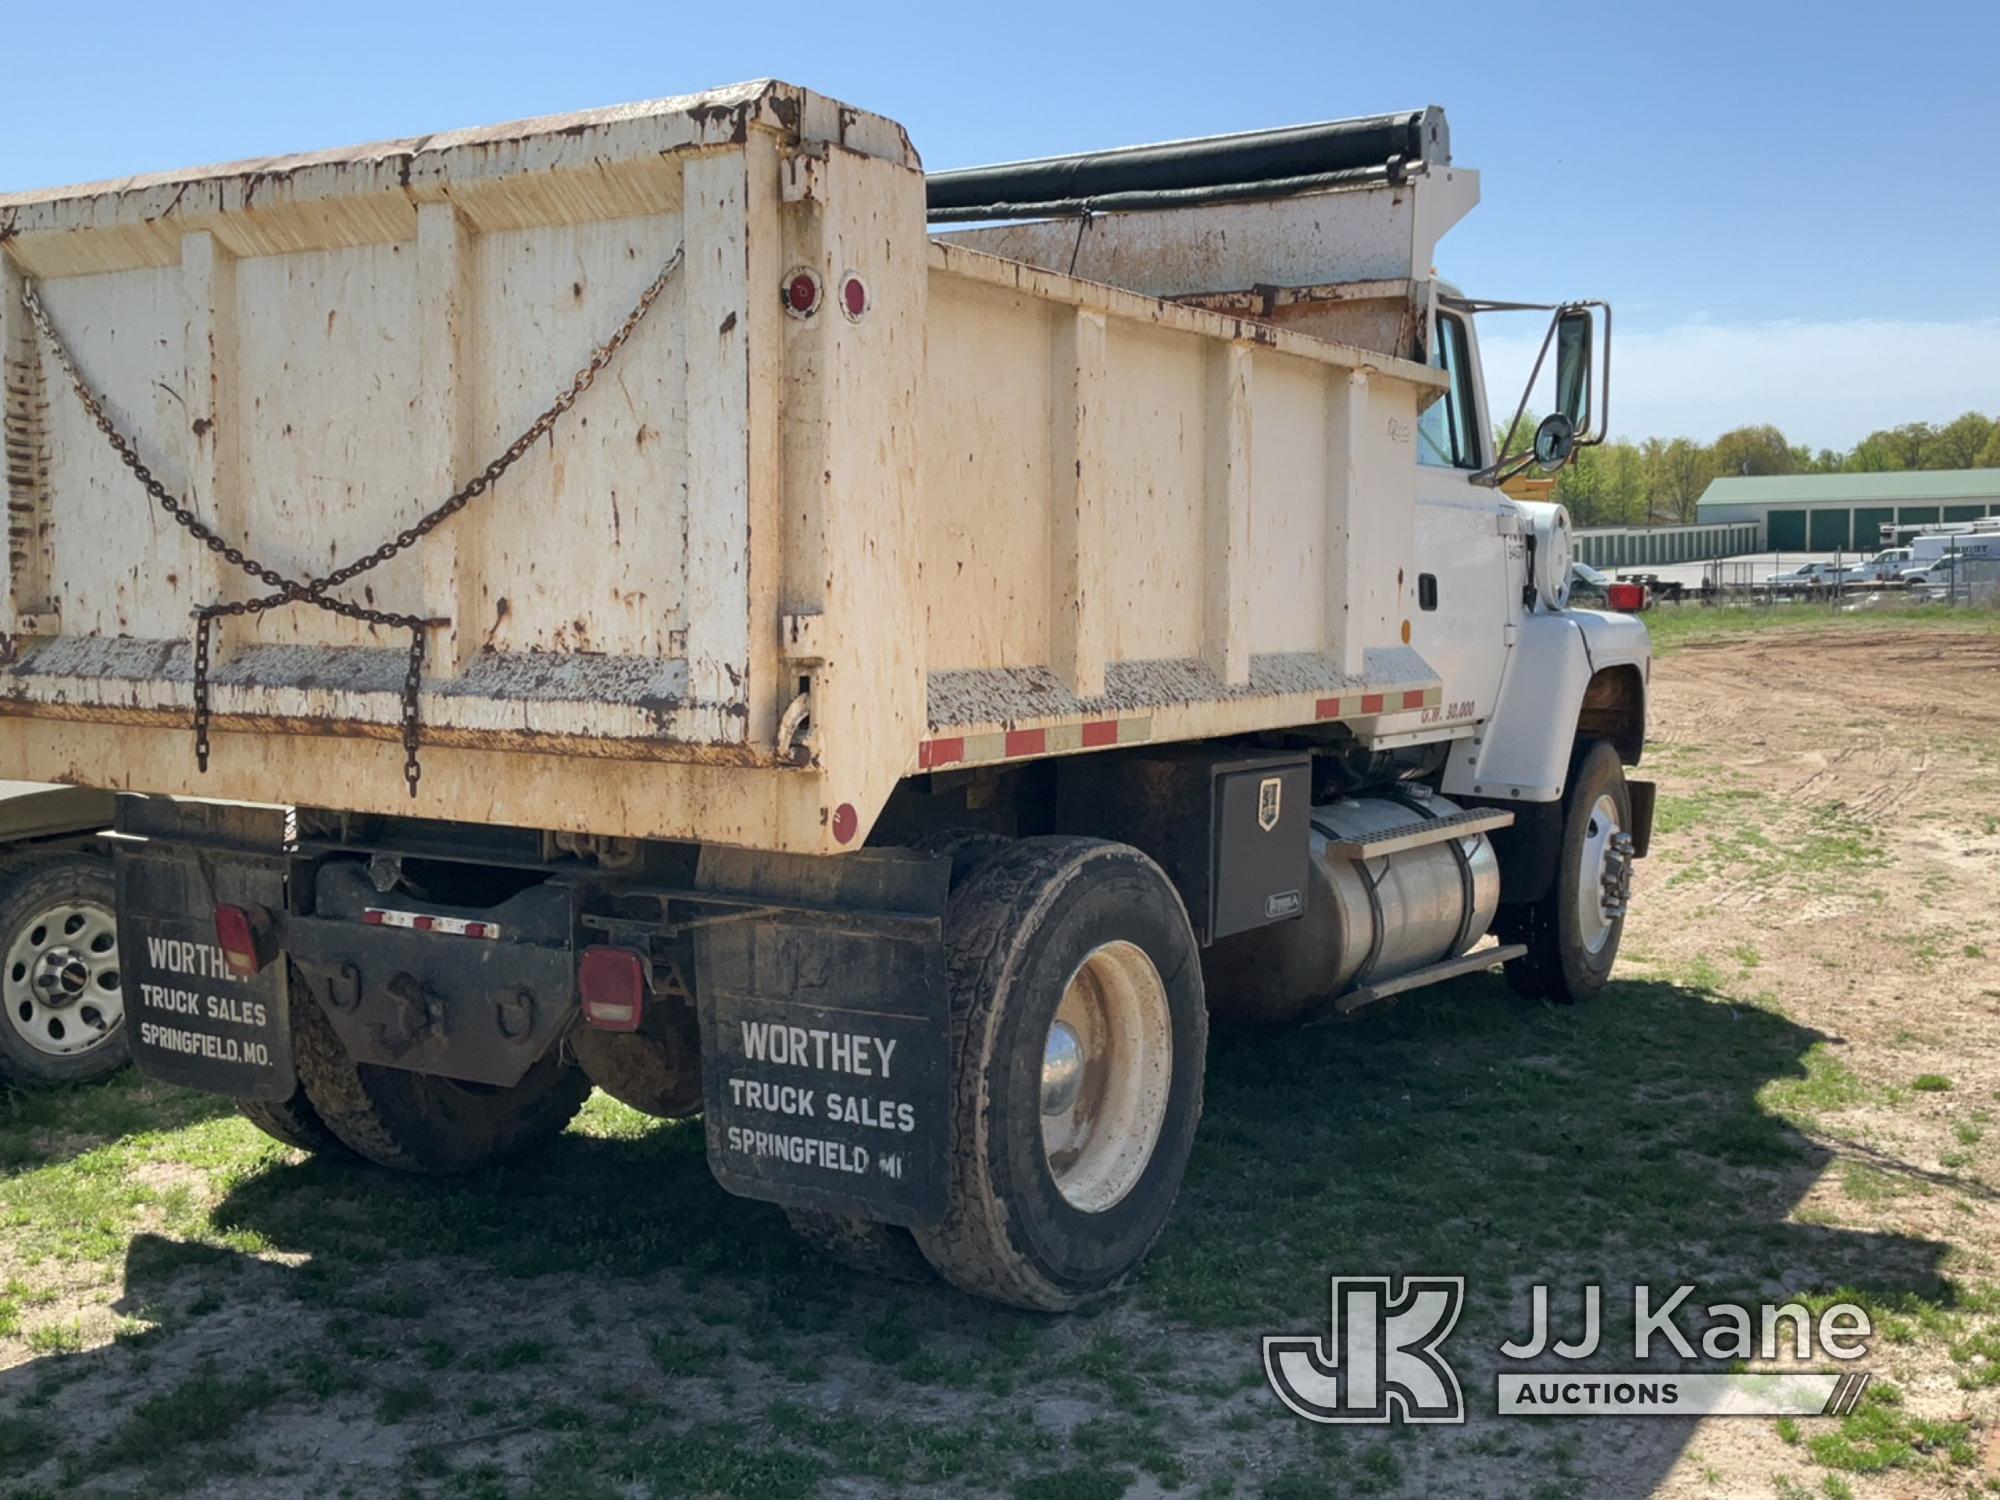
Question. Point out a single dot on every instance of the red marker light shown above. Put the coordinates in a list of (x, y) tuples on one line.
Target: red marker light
[(612, 984), (802, 293), (236, 935), (854, 298)]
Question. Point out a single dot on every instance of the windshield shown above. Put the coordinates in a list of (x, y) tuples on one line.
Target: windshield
[(1590, 575)]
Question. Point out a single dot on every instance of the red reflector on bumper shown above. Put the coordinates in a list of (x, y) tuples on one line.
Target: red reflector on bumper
[(1630, 597), (612, 984)]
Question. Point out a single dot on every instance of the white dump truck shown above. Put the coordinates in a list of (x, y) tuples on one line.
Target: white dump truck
[(672, 598)]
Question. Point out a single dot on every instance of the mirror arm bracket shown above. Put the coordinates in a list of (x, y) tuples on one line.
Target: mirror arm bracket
[(1507, 465)]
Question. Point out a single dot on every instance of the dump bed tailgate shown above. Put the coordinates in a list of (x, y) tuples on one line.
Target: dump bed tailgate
[(312, 353)]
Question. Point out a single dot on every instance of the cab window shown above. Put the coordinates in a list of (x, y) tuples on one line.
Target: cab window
[(1447, 433)]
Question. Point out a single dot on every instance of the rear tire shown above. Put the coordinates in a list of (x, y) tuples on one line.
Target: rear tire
[(417, 1122), (1067, 1151), (1572, 946), (656, 1069), (886, 1250), (290, 1122), (64, 1005)]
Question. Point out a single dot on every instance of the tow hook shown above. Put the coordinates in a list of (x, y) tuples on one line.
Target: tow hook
[(1616, 882)]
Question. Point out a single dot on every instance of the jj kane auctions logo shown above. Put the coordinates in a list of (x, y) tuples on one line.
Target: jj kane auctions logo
[(1381, 1358)]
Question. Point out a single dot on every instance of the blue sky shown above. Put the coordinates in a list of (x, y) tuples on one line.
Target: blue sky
[(1795, 208)]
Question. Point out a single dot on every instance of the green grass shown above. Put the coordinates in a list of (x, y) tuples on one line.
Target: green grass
[(202, 1409), (1673, 627), (1880, 1435)]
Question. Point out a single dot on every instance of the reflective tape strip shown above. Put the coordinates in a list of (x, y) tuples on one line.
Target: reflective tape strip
[(1101, 734), (417, 921), (1025, 744)]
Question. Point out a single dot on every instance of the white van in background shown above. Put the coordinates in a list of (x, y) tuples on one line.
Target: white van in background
[(1927, 549)]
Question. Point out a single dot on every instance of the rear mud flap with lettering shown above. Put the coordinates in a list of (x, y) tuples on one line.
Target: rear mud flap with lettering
[(190, 1020), (826, 1030)]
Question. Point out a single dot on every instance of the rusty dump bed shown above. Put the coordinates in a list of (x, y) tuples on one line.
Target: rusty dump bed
[(844, 504)]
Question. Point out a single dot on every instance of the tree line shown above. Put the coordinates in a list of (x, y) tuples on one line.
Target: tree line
[(1622, 483)]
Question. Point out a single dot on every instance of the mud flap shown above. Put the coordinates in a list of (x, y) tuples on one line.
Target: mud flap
[(1642, 795), (826, 1029), (190, 1020)]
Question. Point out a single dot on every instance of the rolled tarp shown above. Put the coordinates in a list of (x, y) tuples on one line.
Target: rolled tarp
[(1281, 161)]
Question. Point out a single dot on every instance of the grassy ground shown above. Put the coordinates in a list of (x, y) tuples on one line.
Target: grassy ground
[(1676, 625), (186, 1307)]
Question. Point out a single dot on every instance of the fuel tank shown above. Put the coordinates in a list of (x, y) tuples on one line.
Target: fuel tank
[(1365, 920)]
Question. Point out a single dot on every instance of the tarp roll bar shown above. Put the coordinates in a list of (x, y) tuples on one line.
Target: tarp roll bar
[(1281, 161)]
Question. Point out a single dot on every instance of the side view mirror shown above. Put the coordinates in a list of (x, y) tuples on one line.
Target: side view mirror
[(1573, 346), (1583, 388)]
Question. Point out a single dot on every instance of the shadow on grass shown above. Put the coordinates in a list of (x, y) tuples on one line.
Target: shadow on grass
[(1644, 1138), (1470, 1134)]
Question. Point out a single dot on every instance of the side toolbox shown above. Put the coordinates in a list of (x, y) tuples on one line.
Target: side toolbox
[(1231, 829)]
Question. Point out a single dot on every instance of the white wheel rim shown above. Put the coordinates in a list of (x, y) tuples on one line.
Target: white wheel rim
[(1594, 919), (1107, 1068), (61, 981)]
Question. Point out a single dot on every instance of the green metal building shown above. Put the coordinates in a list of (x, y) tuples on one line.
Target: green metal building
[(1826, 512)]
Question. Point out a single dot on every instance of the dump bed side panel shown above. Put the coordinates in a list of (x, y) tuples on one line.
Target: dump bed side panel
[(1147, 522)]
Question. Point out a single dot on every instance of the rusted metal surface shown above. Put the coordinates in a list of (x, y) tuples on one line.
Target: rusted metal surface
[(316, 591)]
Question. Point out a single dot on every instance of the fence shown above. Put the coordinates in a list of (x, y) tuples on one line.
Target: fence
[(1973, 581), (1631, 546), (1965, 582)]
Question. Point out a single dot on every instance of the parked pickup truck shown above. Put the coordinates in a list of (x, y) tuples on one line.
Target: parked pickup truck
[(947, 638), (1886, 566), (1812, 576)]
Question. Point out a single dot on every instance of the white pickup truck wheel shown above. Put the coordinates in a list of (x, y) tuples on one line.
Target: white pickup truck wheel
[(1573, 932), (64, 1020), (1079, 1036)]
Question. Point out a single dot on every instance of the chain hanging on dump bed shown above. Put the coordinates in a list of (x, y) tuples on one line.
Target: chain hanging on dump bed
[(313, 591)]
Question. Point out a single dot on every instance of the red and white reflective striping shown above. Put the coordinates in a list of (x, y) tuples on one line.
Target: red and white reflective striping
[(1019, 744), (418, 921), (1099, 734)]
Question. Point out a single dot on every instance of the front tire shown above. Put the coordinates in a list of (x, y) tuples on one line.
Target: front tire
[(1079, 1034), (417, 1122), (64, 1018), (1574, 930)]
